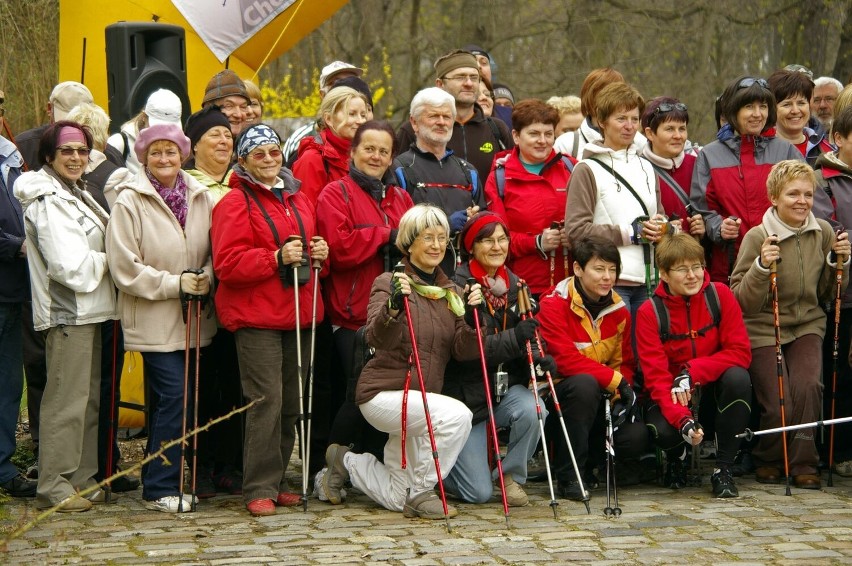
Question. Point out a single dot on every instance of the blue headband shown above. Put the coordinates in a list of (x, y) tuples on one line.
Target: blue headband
[(256, 136)]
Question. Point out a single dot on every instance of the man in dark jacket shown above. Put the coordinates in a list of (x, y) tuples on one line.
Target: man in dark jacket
[(14, 290), (476, 138)]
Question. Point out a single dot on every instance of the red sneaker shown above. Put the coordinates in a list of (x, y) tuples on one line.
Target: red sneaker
[(287, 499), (260, 507)]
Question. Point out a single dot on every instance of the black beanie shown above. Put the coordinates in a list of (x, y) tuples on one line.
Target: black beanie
[(199, 123)]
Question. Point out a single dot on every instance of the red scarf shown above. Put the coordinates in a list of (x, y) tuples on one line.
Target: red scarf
[(481, 276)]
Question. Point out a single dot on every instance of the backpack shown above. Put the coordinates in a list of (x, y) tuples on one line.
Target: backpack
[(500, 175), (711, 298), (361, 354)]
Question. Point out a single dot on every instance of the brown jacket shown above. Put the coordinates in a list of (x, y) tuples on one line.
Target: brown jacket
[(439, 333), (805, 280)]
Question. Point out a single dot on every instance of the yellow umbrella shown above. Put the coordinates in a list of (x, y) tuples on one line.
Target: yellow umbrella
[(81, 35)]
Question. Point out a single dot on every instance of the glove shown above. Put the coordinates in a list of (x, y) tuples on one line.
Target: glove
[(396, 295), (457, 221), (469, 313), (689, 429), (544, 364), (638, 226), (525, 331), (189, 283), (681, 383), (627, 405)]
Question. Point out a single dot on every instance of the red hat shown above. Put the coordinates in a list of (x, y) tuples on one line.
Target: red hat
[(474, 226)]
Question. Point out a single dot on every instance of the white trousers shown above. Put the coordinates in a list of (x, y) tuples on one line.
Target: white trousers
[(387, 484)]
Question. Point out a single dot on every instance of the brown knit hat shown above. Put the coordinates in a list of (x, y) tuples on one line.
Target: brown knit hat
[(225, 83), (455, 60)]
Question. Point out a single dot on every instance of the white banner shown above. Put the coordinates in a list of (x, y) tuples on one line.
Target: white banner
[(224, 25)]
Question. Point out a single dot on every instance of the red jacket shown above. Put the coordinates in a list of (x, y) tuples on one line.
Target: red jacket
[(357, 229), (730, 180), (672, 203), (530, 203), (321, 163), (600, 348), (250, 293), (707, 357)]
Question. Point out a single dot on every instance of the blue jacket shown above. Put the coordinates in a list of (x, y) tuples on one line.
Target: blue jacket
[(14, 282)]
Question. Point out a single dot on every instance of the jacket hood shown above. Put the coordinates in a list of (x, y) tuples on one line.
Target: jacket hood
[(598, 149), (831, 161), (34, 184)]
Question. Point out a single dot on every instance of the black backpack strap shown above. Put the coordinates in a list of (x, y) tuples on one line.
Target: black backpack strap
[(711, 299), (496, 131), (250, 193), (663, 320), (126, 151)]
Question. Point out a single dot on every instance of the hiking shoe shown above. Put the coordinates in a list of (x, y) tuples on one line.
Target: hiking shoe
[(288, 499), (336, 475), (571, 490), (261, 507), (32, 471), (843, 469), (123, 484), (229, 480), (675, 477), (515, 495), (722, 481), (171, 504), (204, 486), (20, 486), (74, 504), (427, 505), (99, 497)]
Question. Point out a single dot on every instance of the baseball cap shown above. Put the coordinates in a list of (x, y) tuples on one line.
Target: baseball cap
[(163, 107), (66, 96), (335, 67)]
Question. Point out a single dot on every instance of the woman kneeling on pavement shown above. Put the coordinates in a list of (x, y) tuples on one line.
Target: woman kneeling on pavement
[(158, 246), (485, 242), (704, 348), (443, 329), (806, 280), (255, 262), (586, 326), (72, 295)]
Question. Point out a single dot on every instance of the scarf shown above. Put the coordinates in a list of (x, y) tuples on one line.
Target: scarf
[(454, 302), (175, 198), (495, 289), (372, 186)]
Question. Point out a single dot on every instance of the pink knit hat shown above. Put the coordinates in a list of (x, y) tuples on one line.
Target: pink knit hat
[(168, 132)]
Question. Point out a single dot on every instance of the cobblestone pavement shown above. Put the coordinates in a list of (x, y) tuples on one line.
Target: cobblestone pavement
[(658, 526)]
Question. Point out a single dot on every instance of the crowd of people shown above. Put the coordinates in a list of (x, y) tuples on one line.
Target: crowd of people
[(583, 244)]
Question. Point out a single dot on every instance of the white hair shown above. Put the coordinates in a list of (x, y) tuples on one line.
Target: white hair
[(434, 97), (823, 81)]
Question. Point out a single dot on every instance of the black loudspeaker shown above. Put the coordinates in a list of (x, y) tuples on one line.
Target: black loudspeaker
[(142, 57)]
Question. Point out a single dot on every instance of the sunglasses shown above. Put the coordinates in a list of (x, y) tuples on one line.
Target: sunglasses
[(261, 155), (748, 81), (668, 107), (69, 151)]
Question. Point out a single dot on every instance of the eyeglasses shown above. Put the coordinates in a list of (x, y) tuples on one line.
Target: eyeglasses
[(260, 155), (667, 107), (697, 269), (464, 78), (748, 81), (491, 242), (430, 240), (66, 151), (826, 99)]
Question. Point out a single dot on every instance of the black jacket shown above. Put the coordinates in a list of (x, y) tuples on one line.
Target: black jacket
[(14, 281), (463, 380)]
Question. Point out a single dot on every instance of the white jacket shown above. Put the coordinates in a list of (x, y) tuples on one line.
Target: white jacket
[(117, 141), (585, 134), (69, 277), (599, 204)]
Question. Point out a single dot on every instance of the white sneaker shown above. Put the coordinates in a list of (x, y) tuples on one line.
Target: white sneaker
[(171, 504), (318, 492)]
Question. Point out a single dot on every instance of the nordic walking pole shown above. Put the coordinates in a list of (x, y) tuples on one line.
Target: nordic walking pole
[(187, 319), (410, 322), (525, 310), (696, 468), (838, 277), (553, 226), (557, 407), (199, 305), (316, 265), (779, 365), (302, 449), (113, 413), (609, 447), (748, 434), (488, 403)]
